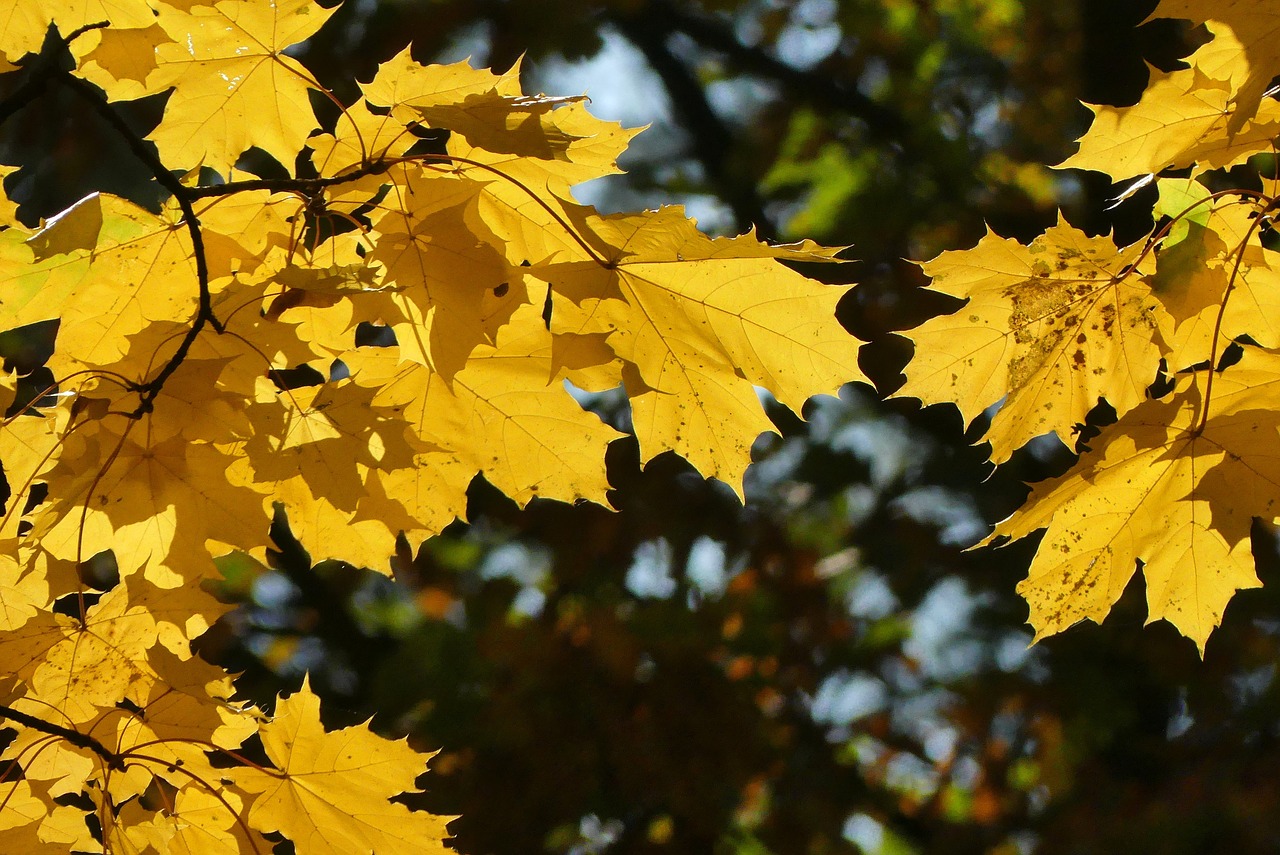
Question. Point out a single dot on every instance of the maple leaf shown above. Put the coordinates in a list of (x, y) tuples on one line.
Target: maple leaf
[(1215, 279), (1181, 120), (330, 791), (455, 288), (24, 23), (177, 424), (316, 451), (78, 667), (18, 807), (700, 322), (504, 415), (22, 594), (360, 136), (1255, 26), (97, 664), (198, 822), (492, 113), (156, 505), (1048, 328), (65, 829), (1171, 488), (72, 269), (233, 86)]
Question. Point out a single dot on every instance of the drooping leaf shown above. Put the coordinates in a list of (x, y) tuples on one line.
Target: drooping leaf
[(1170, 487)]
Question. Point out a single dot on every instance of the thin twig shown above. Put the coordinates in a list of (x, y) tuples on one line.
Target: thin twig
[(1222, 312), (285, 185), (182, 195)]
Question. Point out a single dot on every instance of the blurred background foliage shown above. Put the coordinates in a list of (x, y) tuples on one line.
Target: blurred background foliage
[(825, 670)]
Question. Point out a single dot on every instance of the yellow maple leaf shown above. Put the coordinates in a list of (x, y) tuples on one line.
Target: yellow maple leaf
[(698, 323), (175, 734), (1185, 117), (453, 287), (233, 86), (18, 808), (65, 828), (241, 231), (314, 451), (182, 613), (94, 665), (491, 112), (1169, 488), (73, 269), (504, 415), (1181, 120), (119, 60), (360, 136), (189, 702), (260, 343), (1048, 328), (157, 504), (23, 23), (330, 791), (29, 447), (197, 823), (1257, 27), (76, 671), (22, 592)]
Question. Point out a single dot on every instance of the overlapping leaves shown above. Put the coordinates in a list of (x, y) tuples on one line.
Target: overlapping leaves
[(210, 365), (1177, 334)]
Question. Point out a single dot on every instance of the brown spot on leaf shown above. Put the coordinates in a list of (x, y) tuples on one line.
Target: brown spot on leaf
[(1108, 313)]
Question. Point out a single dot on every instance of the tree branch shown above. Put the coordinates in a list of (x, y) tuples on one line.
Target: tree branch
[(142, 150), (75, 737), (883, 124), (285, 185)]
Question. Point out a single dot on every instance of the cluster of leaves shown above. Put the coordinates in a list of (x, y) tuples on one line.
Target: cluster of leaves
[(400, 307), (1176, 333)]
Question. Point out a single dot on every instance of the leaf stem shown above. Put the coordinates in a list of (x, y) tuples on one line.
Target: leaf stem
[(213, 791), (1222, 311)]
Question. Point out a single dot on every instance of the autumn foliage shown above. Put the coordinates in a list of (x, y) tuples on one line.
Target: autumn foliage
[(1176, 333), (417, 302), (424, 258)]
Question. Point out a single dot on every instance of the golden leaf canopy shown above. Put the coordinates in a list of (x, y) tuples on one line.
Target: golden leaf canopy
[(208, 371)]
